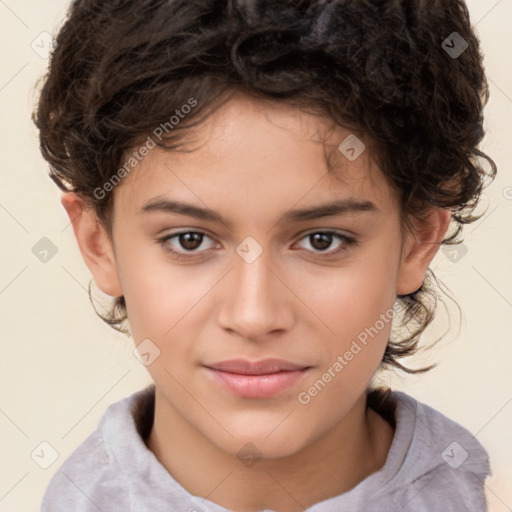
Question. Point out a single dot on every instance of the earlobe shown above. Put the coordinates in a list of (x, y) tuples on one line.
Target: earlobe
[(420, 249), (94, 244)]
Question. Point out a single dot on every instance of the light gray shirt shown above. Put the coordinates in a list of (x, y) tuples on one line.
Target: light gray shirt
[(434, 464)]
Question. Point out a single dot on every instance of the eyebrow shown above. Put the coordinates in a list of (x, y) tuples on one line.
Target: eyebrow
[(340, 207)]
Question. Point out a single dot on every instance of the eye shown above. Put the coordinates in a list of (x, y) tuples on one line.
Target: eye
[(320, 241), (186, 242), (189, 243)]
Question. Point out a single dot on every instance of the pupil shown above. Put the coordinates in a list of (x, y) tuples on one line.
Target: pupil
[(187, 240), (323, 238)]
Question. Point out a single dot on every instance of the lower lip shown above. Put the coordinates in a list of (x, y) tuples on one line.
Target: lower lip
[(257, 386)]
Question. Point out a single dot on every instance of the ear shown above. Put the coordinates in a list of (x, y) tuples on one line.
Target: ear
[(94, 244), (419, 249)]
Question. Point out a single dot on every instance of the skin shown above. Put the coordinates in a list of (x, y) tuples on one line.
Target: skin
[(254, 163)]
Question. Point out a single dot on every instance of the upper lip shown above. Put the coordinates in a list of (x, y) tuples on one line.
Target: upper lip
[(266, 366)]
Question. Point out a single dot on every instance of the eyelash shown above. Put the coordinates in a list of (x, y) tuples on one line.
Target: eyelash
[(347, 242)]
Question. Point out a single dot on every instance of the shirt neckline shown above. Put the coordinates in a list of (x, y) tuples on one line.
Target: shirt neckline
[(126, 444)]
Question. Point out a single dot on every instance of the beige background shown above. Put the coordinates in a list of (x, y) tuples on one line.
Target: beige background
[(60, 366)]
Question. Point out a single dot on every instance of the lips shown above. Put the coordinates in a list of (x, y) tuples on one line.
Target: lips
[(264, 367), (260, 379)]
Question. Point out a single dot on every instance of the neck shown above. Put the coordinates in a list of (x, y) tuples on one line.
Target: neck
[(330, 465)]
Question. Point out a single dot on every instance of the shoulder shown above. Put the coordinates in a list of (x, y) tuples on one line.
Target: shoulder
[(448, 444), (444, 465), (76, 484), (93, 477)]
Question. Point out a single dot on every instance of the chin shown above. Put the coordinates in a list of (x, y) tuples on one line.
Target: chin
[(261, 445)]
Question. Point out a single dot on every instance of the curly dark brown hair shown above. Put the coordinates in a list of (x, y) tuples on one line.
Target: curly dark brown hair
[(381, 68)]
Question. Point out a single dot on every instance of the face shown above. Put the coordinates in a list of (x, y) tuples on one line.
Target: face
[(256, 276)]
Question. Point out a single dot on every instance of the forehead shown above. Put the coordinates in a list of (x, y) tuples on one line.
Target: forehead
[(258, 154)]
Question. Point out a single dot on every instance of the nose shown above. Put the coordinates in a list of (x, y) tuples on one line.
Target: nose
[(255, 299)]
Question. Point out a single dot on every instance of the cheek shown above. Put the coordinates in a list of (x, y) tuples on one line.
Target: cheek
[(356, 303), (359, 309), (159, 294), (353, 298)]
